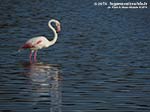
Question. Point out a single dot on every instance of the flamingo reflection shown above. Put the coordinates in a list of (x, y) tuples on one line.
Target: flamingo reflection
[(46, 78)]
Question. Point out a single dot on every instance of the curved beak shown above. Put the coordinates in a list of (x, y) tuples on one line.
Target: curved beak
[(58, 28)]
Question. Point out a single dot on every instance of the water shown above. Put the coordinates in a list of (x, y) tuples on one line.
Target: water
[(99, 64)]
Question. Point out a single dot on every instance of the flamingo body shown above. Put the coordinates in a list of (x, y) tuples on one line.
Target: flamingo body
[(36, 43), (40, 42)]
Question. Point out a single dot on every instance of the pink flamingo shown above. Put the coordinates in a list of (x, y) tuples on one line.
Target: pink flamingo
[(36, 43)]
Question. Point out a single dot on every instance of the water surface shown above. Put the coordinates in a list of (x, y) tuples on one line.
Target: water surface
[(100, 62)]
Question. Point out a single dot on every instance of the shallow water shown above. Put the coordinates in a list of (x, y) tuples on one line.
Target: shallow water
[(99, 64)]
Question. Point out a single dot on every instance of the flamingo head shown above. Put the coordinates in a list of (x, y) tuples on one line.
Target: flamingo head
[(58, 29)]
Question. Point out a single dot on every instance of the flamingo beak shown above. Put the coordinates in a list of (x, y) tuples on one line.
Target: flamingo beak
[(58, 28)]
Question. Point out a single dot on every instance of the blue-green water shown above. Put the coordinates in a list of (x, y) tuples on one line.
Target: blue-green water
[(100, 63)]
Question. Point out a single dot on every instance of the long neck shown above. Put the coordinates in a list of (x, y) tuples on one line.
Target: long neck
[(55, 34)]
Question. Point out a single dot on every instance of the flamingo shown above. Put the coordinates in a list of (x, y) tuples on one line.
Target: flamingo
[(36, 43)]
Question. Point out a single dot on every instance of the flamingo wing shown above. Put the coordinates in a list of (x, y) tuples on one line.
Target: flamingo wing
[(27, 45), (32, 43)]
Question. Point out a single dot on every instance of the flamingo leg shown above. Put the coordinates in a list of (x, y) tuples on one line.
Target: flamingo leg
[(30, 56), (35, 54)]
